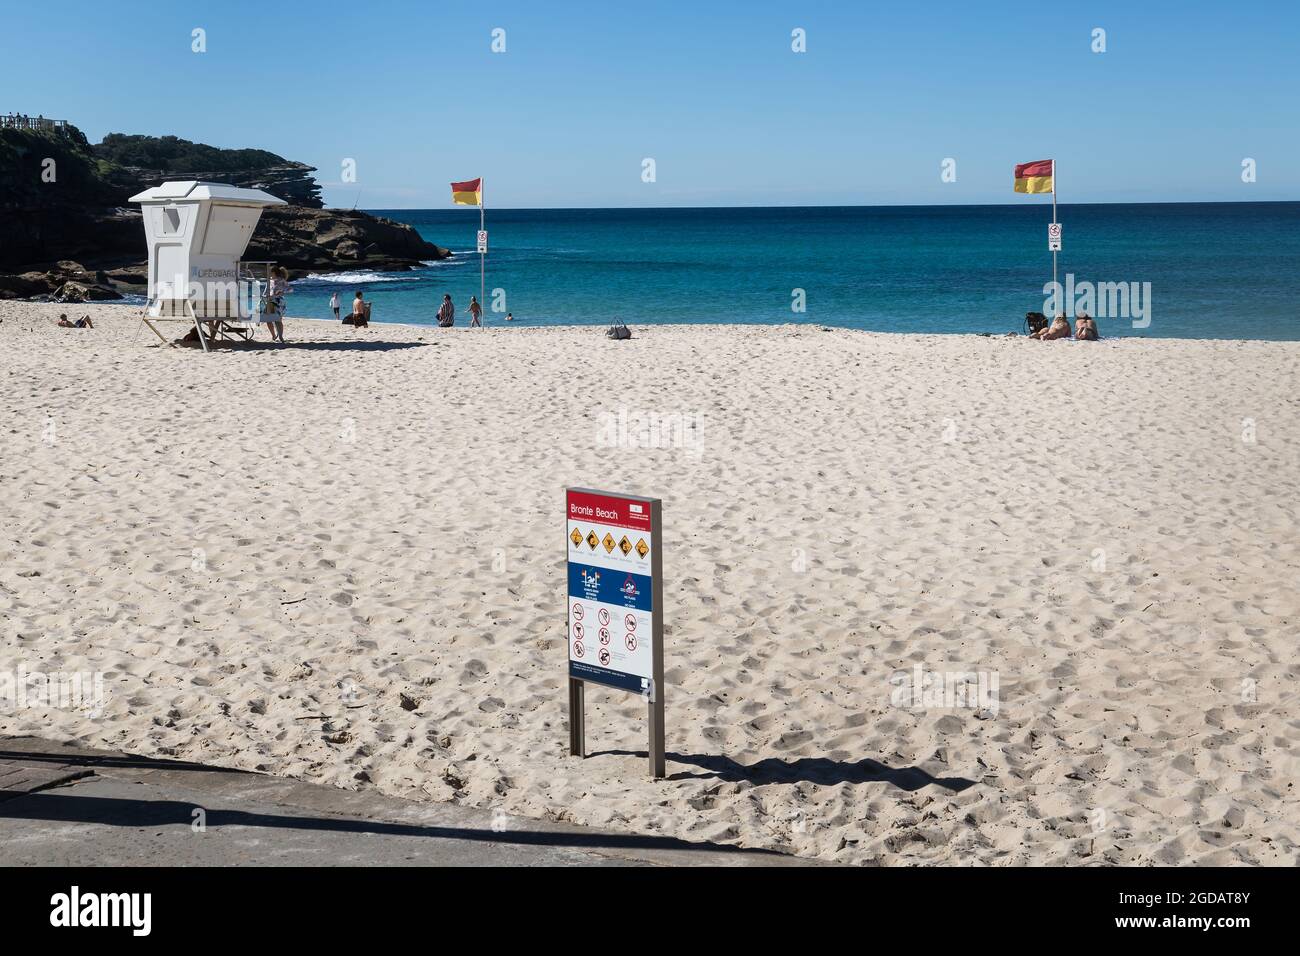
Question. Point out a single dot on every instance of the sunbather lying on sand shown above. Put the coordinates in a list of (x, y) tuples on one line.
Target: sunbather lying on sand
[(81, 323), (1085, 328), (1059, 329)]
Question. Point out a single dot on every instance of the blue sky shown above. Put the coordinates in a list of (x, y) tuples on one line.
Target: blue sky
[(711, 91)]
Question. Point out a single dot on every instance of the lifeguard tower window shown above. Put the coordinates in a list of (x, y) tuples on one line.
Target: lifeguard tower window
[(171, 221), (229, 229)]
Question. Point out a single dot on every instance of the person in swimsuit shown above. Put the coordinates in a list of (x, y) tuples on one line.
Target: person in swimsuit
[(1059, 329)]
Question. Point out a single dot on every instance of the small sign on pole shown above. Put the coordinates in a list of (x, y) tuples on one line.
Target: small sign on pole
[(1054, 237), (482, 241), (615, 606)]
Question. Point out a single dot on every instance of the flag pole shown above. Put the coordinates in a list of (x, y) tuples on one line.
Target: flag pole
[(482, 256), (1055, 287)]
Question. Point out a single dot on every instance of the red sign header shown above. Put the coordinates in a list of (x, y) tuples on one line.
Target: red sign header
[(603, 509)]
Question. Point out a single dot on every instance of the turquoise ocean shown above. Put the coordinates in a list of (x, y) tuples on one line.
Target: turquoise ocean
[(1213, 270)]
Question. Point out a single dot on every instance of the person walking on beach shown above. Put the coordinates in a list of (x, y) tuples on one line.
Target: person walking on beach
[(334, 304), (476, 313), (275, 294), (446, 313)]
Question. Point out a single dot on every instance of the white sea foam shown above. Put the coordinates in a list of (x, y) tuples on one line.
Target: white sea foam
[(355, 277)]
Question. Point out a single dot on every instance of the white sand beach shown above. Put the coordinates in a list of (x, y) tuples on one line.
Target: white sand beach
[(342, 561)]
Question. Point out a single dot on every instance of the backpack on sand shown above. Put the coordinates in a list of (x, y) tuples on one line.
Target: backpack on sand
[(619, 331)]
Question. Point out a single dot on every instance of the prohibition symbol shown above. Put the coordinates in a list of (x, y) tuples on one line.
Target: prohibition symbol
[(576, 537), (629, 639), (630, 621), (642, 549), (578, 649), (592, 540), (603, 614), (609, 543), (578, 631), (578, 612), (604, 635), (625, 546), (603, 656)]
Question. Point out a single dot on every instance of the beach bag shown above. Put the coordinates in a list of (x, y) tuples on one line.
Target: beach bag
[(619, 331)]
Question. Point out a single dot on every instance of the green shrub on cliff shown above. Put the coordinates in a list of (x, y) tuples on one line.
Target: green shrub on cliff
[(171, 154)]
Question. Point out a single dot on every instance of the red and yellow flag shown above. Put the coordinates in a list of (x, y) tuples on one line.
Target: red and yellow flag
[(468, 193), (1035, 177)]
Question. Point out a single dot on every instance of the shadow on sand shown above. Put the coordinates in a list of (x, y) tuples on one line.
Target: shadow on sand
[(346, 346), (816, 770)]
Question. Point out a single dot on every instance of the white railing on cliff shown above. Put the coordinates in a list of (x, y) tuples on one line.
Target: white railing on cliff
[(23, 121)]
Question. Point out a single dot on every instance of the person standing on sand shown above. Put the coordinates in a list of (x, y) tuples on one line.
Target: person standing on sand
[(275, 294), (446, 313), (334, 304), (358, 316), (476, 311)]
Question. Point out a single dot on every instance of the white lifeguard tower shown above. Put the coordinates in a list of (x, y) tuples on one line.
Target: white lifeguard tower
[(197, 233)]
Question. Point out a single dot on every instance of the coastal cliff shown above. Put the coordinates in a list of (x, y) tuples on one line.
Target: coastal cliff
[(71, 234)]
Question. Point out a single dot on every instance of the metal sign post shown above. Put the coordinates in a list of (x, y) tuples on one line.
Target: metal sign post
[(482, 249), (615, 606), (1055, 286)]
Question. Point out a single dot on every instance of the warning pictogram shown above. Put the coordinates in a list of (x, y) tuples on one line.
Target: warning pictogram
[(642, 549), (630, 622), (603, 614), (577, 630), (625, 546), (629, 640), (603, 656), (592, 540), (604, 635), (609, 543), (578, 649), (578, 612), (576, 537)]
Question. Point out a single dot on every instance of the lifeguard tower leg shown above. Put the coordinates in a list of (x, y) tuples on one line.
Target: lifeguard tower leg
[(144, 317), (198, 326)]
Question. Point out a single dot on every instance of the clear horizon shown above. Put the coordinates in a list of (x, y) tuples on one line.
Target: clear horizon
[(567, 110), (900, 205)]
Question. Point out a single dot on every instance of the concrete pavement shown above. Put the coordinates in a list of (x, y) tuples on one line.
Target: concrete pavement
[(65, 805)]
